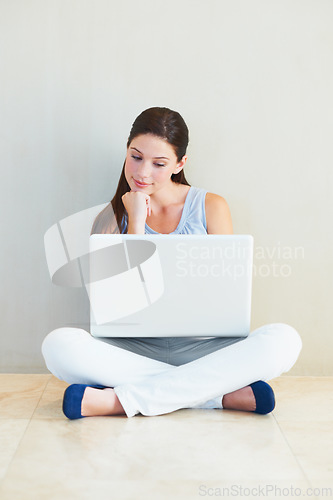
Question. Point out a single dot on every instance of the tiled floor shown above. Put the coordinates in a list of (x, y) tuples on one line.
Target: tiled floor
[(187, 454)]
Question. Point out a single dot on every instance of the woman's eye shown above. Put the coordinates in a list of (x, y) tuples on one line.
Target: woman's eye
[(138, 158)]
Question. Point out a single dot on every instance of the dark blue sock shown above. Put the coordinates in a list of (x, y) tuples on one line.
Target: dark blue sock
[(264, 396), (71, 405)]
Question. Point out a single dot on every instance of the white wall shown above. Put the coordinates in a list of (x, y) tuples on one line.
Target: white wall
[(253, 80)]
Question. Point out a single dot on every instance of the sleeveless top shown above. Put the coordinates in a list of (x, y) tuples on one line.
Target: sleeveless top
[(193, 218)]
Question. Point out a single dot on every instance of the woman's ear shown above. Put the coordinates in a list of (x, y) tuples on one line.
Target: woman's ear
[(180, 165)]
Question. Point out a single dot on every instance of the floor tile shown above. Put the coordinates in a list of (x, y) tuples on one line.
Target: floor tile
[(50, 404), (312, 445), (106, 449), (103, 489), (20, 394), (321, 489), (130, 489), (184, 455), (11, 432), (156, 490), (303, 398)]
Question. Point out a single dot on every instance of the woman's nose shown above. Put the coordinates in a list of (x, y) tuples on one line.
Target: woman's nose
[(144, 169)]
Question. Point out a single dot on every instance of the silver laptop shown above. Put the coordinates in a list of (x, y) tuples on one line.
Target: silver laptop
[(170, 285)]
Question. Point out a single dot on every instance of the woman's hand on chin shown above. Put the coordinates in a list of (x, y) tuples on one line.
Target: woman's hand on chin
[(137, 205)]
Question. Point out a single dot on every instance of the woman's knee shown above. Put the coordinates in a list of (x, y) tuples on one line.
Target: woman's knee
[(56, 339), (288, 336), (59, 345), (283, 341)]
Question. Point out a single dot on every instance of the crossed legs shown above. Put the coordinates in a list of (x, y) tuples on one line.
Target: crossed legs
[(150, 387)]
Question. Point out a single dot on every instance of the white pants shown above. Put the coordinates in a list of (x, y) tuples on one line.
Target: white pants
[(154, 387)]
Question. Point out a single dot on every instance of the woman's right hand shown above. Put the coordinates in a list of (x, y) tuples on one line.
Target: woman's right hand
[(138, 208)]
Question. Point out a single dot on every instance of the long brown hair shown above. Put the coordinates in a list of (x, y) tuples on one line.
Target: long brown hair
[(160, 122)]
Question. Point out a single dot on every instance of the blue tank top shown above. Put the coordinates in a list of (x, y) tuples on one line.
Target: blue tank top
[(193, 219)]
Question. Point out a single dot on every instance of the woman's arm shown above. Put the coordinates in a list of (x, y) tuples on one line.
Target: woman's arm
[(218, 215), (137, 205)]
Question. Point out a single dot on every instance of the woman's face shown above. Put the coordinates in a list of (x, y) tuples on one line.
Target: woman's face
[(150, 162)]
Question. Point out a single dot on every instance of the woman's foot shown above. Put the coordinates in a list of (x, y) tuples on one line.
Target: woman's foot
[(242, 399), (82, 400), (96, 402), (257, 397)]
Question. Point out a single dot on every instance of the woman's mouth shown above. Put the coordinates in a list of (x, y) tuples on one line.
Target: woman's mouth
[(140, 184)]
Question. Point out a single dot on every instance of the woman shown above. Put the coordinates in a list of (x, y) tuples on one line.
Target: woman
[(130, 376)]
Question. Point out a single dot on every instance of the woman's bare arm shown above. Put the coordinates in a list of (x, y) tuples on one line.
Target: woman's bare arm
[(218, 215)]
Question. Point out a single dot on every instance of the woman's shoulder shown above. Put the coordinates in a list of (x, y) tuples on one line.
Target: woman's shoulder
[(218, 215), (215, 200)]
